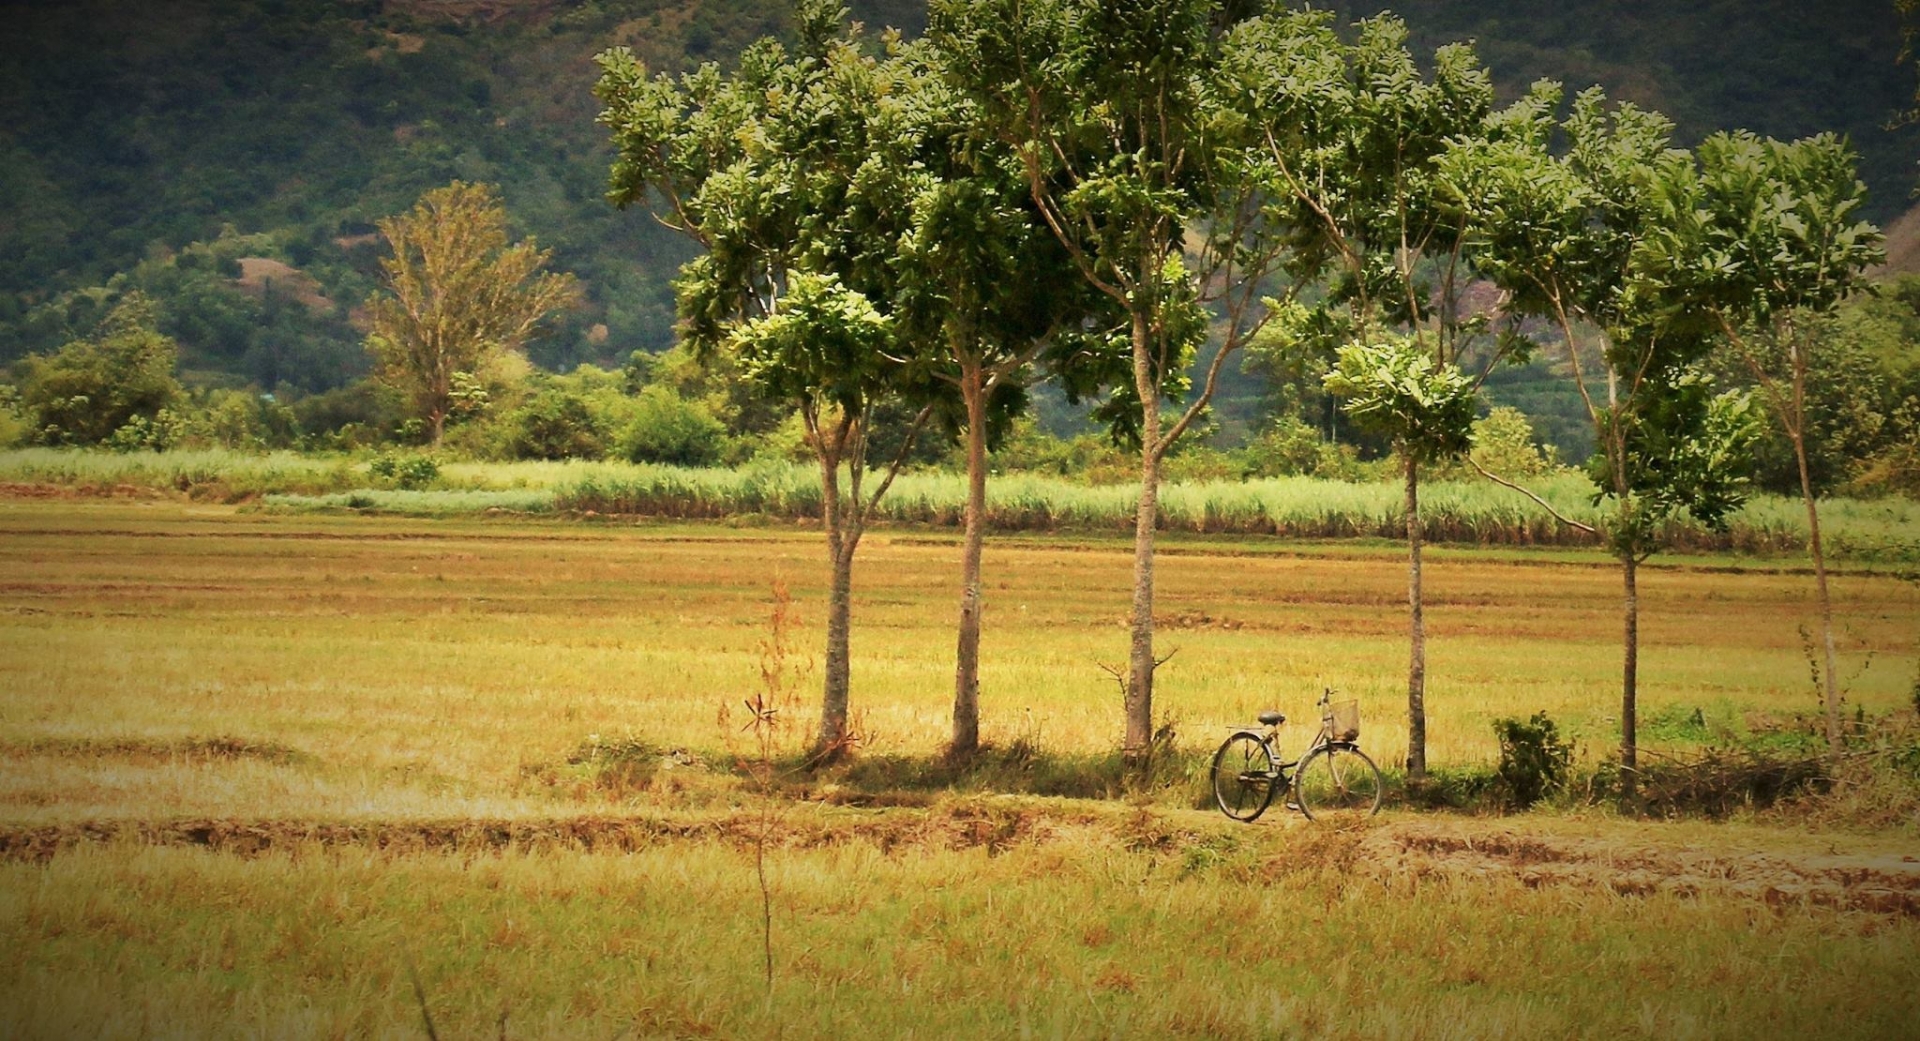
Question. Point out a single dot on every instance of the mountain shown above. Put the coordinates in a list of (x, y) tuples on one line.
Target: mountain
[(229, 157)]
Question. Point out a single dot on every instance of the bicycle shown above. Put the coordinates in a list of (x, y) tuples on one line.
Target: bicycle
[(1332, 779)]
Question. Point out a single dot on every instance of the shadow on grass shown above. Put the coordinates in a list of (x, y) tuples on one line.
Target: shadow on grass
[(1172, 776)]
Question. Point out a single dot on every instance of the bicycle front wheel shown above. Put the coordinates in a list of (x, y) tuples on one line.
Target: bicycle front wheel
[(1243, 777), (1337, 783)]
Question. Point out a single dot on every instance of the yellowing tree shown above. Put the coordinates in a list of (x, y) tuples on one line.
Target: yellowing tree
[(458, 297)]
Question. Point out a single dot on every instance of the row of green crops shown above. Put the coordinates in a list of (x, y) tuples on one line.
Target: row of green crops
[(1472, 512), (1299, 507), (212, 473)]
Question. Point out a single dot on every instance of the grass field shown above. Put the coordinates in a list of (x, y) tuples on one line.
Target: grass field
[(258, 764)]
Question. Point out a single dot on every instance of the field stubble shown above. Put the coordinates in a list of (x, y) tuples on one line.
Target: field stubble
[(212, 718)]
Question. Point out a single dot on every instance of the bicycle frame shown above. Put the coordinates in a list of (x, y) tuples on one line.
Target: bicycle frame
[(1270, 737)]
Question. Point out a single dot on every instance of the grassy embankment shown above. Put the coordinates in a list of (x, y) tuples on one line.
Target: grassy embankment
[(191, 670), (1473, 512)]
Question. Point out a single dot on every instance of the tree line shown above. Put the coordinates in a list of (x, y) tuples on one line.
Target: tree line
[(897, 243), (904, 234)]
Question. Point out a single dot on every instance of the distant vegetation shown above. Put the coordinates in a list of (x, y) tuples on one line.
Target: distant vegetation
[(279, 132), (1460, 509)]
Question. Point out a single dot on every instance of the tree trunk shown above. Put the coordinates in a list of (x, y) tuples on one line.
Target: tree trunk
[(1829, 678), (1140, 662), (1629, 688), (1417, 635), (833, 703), (438, 421), (841, 543), (966, 673)]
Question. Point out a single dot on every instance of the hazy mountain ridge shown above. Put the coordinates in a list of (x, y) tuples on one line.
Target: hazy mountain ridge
[(281, 129)]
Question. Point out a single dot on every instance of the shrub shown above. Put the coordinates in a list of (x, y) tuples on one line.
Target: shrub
[(554, 425), (1503, 443), (1534, 759), (85, 393), (140, 434), (407, 472), (357, 415), (1287, 448), (241, 420), (1714, 783), (1198, 463), (667, 428), (12, 427)]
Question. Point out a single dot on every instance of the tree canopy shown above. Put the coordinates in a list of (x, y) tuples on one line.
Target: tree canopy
[(458, 297)]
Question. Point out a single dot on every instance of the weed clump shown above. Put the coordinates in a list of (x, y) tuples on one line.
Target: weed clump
[(1534, 759), (1715, 783), (619, 766), (1535, 762), (405, 472)]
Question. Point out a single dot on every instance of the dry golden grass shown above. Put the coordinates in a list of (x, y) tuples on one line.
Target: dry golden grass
[(1228, 935), (322, 690), (433, 664)]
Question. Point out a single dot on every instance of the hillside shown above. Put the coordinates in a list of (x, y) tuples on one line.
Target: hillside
[(275, 132)]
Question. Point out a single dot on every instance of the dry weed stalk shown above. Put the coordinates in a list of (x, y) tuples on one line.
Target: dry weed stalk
[(772, 718)]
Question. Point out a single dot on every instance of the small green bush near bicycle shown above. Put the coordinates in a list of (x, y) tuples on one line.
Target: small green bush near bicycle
[(1332, 781)]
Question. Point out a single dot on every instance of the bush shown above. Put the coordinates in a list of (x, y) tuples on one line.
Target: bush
[(1534, 759), (1287, 448), (406, 472), (13, 426), (1198, 463), (1088, 457), (1291, 448), (85, 393), (667, 428), (554, 425), (241, 420), (1715, 783), (358, 415), (140, 434), (1503, 443)]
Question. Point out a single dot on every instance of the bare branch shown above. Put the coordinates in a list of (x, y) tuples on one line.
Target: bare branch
[(899, 460), (1542, 503)]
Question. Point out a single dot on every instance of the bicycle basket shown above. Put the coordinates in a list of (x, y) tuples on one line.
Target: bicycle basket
[(1345, 721)]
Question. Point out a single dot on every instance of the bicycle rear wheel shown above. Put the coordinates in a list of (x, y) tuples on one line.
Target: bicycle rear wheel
[(1338, 782), (1244, 775)]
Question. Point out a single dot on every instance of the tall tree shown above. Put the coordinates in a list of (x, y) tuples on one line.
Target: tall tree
[(1764, 234), (1136, 155), (1353, 132), (983, 288), (1395, 388), (1565, 234), (790, 172), (458, 296)]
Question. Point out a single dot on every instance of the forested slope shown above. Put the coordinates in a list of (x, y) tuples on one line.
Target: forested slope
[(157, 146)]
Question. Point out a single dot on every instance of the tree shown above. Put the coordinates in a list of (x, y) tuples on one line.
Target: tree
[(1396, 389), (790, 173), (92, 389), (1136, 151), (458, 296), (983, 290), (1352, 133), (1763, 233), (1565, 235)]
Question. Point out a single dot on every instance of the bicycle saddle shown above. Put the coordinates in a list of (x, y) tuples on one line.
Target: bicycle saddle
[(1272, 719)]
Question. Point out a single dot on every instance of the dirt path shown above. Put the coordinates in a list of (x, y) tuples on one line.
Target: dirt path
[(1643, 865), (1631, 859)]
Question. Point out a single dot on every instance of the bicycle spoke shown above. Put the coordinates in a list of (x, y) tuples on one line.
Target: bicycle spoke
[(1243, 777), (1338, 782)]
